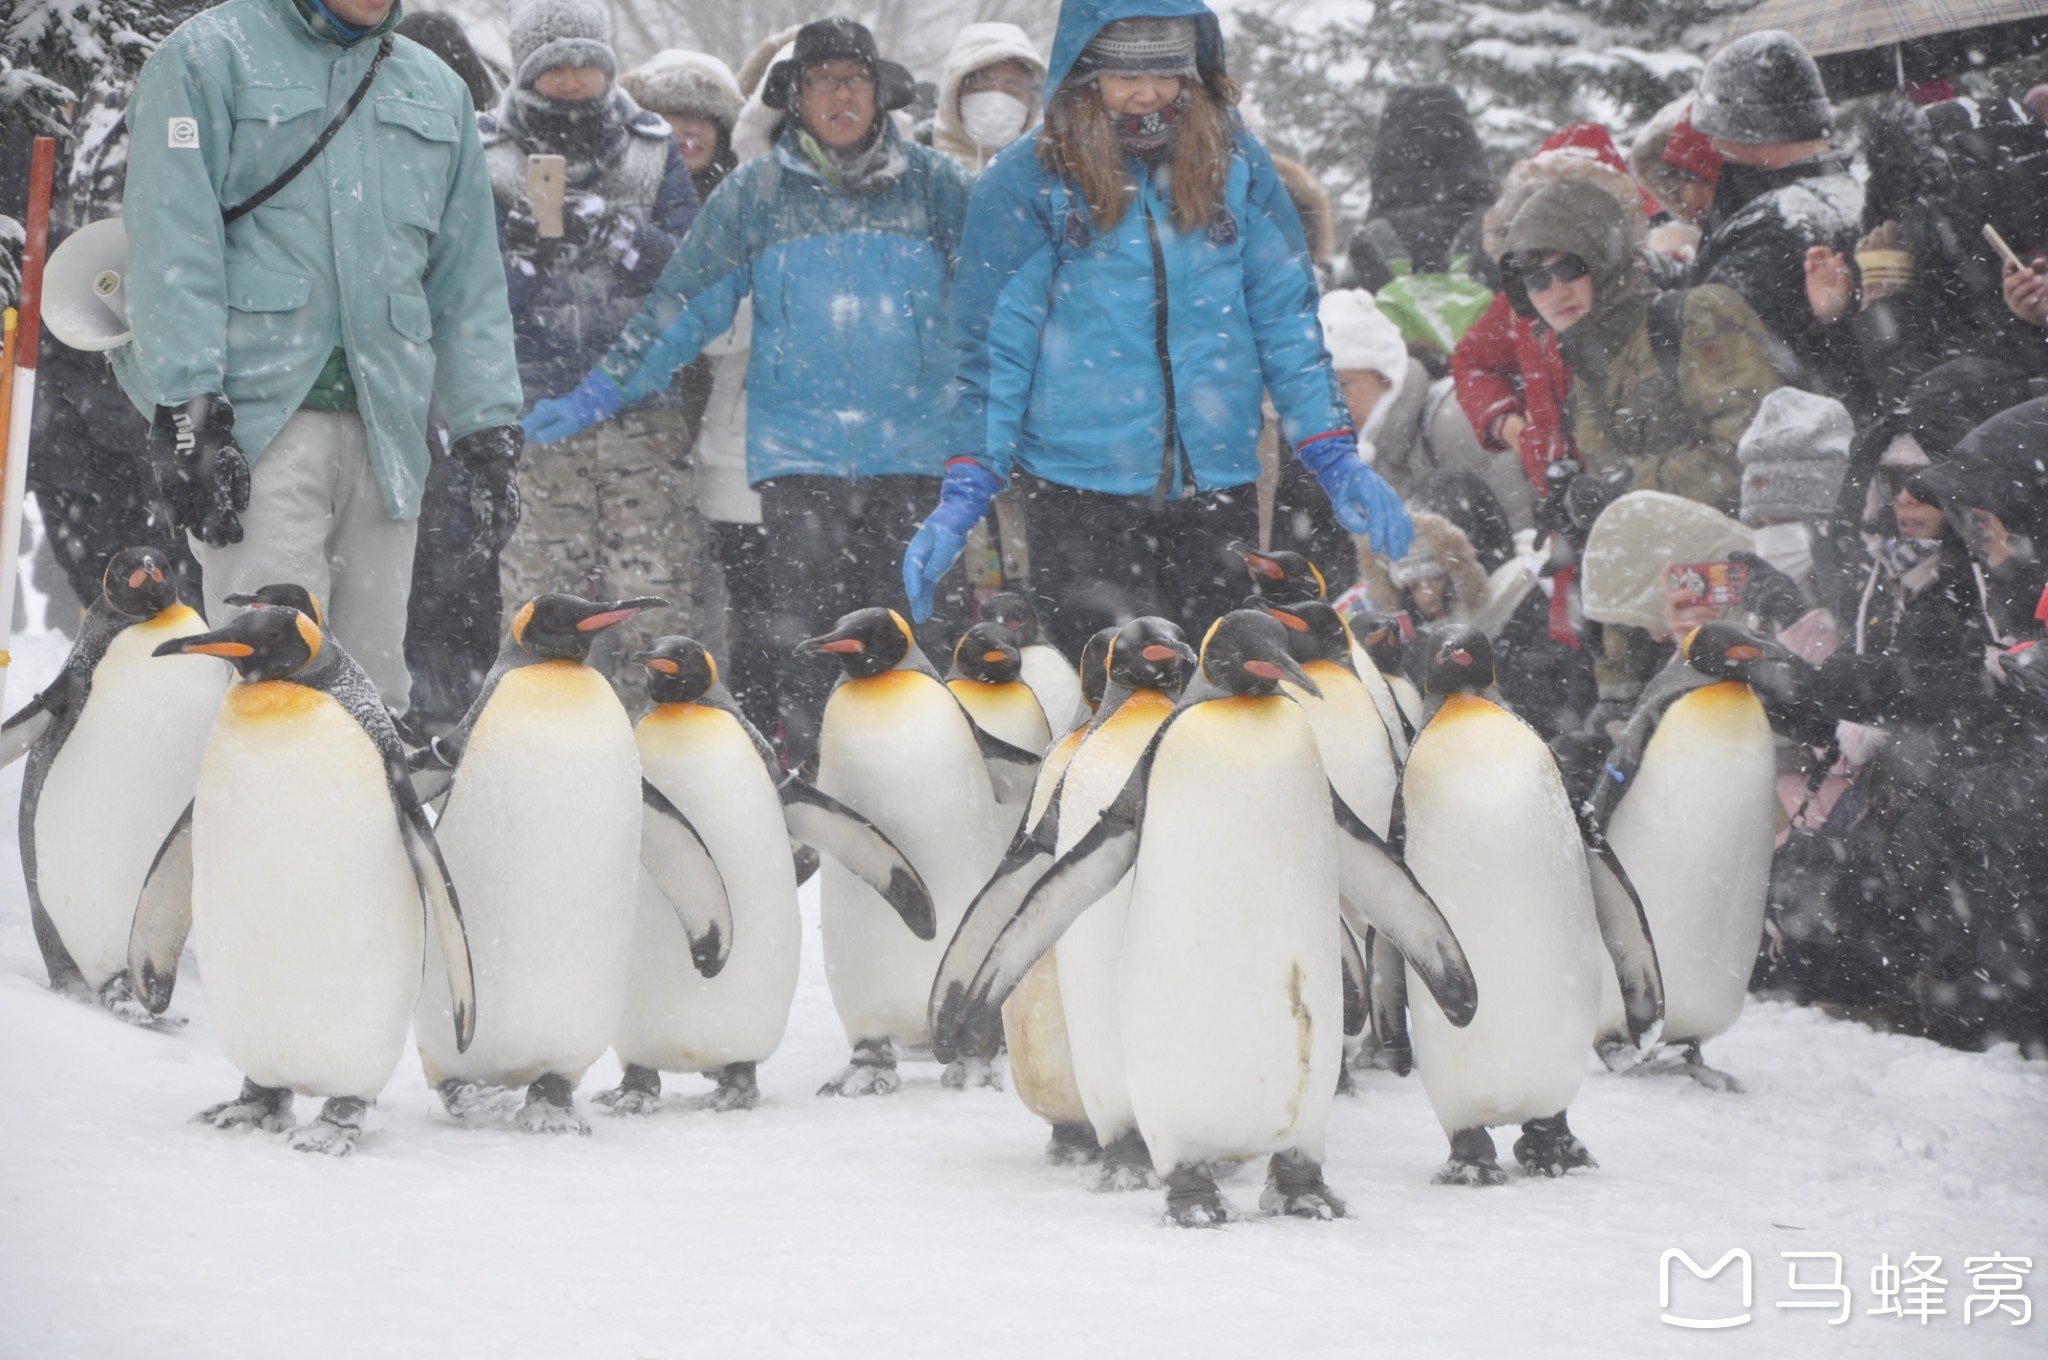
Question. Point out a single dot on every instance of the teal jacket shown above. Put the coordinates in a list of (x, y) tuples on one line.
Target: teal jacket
[(386, 245)]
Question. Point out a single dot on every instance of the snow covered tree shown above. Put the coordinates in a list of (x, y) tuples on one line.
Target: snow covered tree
[(1525, 68), (51, 50)]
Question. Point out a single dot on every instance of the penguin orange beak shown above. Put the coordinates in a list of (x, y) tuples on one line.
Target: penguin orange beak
[(1159, 651), (226, 649), (1265, 670), (662, 664), (993, 657), (1294, 623), (618, 613), (1744, 652), (841, 646)]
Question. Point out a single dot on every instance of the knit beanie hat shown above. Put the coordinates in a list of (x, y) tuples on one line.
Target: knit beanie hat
[(1794, 456), (1763, 88), (1359, 335), (550, 33), (1139, 47), (1689, 152)]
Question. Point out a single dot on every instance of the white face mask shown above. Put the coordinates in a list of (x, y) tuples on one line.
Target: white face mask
[(993, 119), (1788, 547)]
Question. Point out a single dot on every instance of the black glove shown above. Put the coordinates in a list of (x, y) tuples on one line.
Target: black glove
[(587, 220), (1574, 497), (200, 469), (523, 240), (489, 458), (1770, 594)]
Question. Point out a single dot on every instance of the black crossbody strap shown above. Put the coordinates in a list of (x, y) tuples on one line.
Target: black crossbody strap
[(1171, 452), (263, 195)]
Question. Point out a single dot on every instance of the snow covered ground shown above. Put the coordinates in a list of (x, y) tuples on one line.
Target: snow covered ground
[(927, 1224)]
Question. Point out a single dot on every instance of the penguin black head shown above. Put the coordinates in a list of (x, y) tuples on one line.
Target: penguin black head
[(264, 644), (988, 653), (679, 670), (1727, 651), (562, 627), (137, 582), (1315, 632), (1013, 612), (282, 595), (1380, 635), (1150, 653), (1095, 666), (1284, 576), (867, 642), (1460, 661), (1246, 654)]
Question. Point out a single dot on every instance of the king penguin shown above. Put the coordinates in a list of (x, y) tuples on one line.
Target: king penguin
[(1034, 1022), (1487, 829), (987, 679), (313, 956), (1146, 665), (113, 748), (1688, 801), (700, 751), (1228, 984), (1050, 675), (897, 747), (547, 826)]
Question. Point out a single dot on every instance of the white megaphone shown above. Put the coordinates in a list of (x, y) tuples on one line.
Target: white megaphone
[(84, 302)]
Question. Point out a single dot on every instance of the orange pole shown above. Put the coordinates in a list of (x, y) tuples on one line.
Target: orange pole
[(22, 384), (8, 322)]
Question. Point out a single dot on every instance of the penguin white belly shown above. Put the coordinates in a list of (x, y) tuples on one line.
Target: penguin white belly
[(1088, 954), (898, 750), (1232, 1006), (1350, 738), (1491, 837), (1008, 713), (1034, 1019), (1052, 678), (125, 771), (305, 908), (542, 839), (1695, 832), (674, 1018)]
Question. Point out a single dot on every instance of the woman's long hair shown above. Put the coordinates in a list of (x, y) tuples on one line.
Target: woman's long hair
[(1080, 145)]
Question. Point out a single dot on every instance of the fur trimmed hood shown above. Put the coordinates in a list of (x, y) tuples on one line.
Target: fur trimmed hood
[(978, 46), (1549, 167), (1435, 537), (686, 83)]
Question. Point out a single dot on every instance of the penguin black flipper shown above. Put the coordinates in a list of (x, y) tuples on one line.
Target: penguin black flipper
[(675, 858), (1012, 770), (1387, 987), (437, 895), (1076, 881), (1378, 891), (823, 822), (1626, 931), (63, 698), (1355, 982), (1023, 866), (163, 918)]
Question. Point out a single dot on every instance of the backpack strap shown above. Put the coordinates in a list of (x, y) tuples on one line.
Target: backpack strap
[(1667, 327)]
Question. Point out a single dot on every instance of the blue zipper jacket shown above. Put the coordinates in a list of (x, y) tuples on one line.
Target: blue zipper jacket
[(850, 374), (1060, 370)]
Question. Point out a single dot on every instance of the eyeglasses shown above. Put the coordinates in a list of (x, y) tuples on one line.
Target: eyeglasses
[(822, 82), (1570, 269)]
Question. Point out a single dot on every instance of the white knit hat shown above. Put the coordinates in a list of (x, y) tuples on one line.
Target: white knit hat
[(1359, 336)]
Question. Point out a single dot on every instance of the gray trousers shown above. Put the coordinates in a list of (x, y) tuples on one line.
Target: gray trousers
[(316, 518)]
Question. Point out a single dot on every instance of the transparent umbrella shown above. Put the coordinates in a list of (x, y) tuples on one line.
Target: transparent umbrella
[(1865, 46)]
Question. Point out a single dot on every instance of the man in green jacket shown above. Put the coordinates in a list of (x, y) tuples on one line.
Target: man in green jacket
[(287, 356)]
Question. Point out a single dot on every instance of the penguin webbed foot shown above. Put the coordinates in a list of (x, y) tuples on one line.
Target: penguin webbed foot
[(739, 1088), (1192, 1199), (1295, 1187), (971, 1072), (1472, 1162), (638, 1092), (1126, 1165), (551, 1107), (268, 1108), (872, 1072), (478, 1100), (117, 997), (1548, 1147), (1347, 1085), (1073, 1145), (338, 1129), (1713, 1078)]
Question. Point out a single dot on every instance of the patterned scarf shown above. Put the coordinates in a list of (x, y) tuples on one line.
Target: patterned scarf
[(1147, 136)]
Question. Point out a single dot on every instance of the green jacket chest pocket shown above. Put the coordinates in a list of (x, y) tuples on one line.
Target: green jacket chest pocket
[(273, 126), (415, 150)]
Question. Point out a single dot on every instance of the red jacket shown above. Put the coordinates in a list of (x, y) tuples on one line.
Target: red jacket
[(1509, 365)]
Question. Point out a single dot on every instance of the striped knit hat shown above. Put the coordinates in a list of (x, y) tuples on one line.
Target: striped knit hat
[(1139, 47)]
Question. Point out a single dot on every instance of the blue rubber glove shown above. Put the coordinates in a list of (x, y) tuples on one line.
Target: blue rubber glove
[(940, 540), (1365, 504), (593, 401)]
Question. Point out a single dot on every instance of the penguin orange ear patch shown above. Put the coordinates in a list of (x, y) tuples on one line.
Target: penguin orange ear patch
[(519, 622), (309, 632), (1322, 586)]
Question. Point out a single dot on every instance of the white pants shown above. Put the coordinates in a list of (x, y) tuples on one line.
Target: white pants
[(316, 518)]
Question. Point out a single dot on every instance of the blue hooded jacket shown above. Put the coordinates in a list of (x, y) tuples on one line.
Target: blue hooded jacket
[(1060, 370), (851, 369)]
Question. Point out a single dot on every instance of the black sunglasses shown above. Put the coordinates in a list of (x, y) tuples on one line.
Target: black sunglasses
[(1570, 269)]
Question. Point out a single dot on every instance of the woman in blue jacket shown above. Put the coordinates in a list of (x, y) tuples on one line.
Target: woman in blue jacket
[(1132, 277)]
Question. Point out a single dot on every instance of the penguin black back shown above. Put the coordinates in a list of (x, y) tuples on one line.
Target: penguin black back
[(987, 653)]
